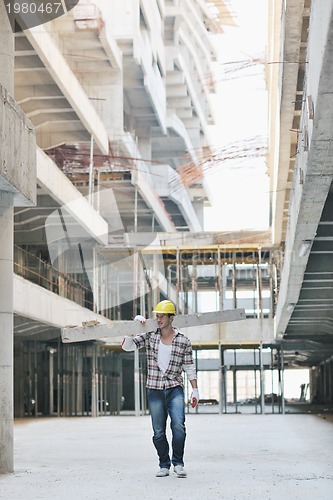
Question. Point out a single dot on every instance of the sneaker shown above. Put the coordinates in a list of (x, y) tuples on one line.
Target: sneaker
[(162, 472), (180, 471)]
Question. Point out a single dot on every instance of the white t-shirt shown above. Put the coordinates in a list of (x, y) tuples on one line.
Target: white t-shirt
[(164, 356)]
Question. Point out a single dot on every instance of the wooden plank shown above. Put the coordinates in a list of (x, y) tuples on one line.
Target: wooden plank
[(94, 331)]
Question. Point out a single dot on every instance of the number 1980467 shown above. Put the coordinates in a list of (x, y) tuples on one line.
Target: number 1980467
[(35, 8)]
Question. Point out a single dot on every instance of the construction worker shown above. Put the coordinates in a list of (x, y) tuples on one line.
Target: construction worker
[(169, 352)]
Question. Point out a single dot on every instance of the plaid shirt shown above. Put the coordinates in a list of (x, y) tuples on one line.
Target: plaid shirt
[(181, 354)]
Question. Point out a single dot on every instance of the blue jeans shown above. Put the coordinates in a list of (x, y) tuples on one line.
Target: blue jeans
[(161, 404)]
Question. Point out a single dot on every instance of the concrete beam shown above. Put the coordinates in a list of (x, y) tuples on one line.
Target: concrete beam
[(59, 187), (249, 332), (46, 48), (288, 53), (309, 197), (32, 93), (37, 303), (142, 178), (169, 184), (17, 152), (121, 328), (226, 241)]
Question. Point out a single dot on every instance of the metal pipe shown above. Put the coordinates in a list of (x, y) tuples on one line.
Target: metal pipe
[(136, 209), (51, 381), (177, 279), (142, 286), (194, 283), (91, 172), (98, 201), (220, 278), (196, 369), (262, 380), (79, 393), (156, 289), (272, 379), (255, 380), (95, 282), (282, 381), (234, 281), (94, 384), (235, 381), (59, 353), (260, 308), (35, 379), (254, 287), (271, 286), (221, 381), (135, 283)]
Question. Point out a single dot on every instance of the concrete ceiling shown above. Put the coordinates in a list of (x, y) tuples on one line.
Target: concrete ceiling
[(60, 124), (304, 206)]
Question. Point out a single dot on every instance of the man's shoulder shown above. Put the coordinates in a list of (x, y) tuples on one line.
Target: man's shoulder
[(154, 334), (181, 336)]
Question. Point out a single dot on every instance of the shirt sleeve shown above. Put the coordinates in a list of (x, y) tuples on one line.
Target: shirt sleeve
[(190, 371), (188, 364), (131, 343), (128, 344)]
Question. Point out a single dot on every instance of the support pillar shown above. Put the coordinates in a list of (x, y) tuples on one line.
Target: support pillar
[(6, 273), (262, 380), (222, 382), (282, 382), (6, 334), (136, 383)]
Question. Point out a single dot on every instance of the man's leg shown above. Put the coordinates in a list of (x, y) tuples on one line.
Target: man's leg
[(176, 409), (158, 413)]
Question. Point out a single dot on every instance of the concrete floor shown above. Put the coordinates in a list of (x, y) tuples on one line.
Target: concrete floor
[(227, 457)]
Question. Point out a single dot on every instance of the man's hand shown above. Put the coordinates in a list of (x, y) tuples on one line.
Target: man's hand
[(140, 318), (194, 398)]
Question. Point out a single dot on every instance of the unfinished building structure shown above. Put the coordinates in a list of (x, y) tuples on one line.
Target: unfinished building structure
[(108, 110)]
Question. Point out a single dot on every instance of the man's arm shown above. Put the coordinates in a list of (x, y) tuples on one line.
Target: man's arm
[(128, 343), (190, 370)]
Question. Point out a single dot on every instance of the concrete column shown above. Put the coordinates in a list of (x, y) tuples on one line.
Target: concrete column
[(7, 51), (144, 143), (6, 334)]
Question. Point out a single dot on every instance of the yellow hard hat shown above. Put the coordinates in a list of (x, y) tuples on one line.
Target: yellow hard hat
[(166, 306)]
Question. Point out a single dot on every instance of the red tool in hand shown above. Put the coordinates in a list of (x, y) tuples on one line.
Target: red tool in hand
[(194, 398)]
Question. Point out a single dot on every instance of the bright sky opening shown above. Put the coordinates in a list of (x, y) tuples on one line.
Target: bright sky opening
[(240, 188)]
